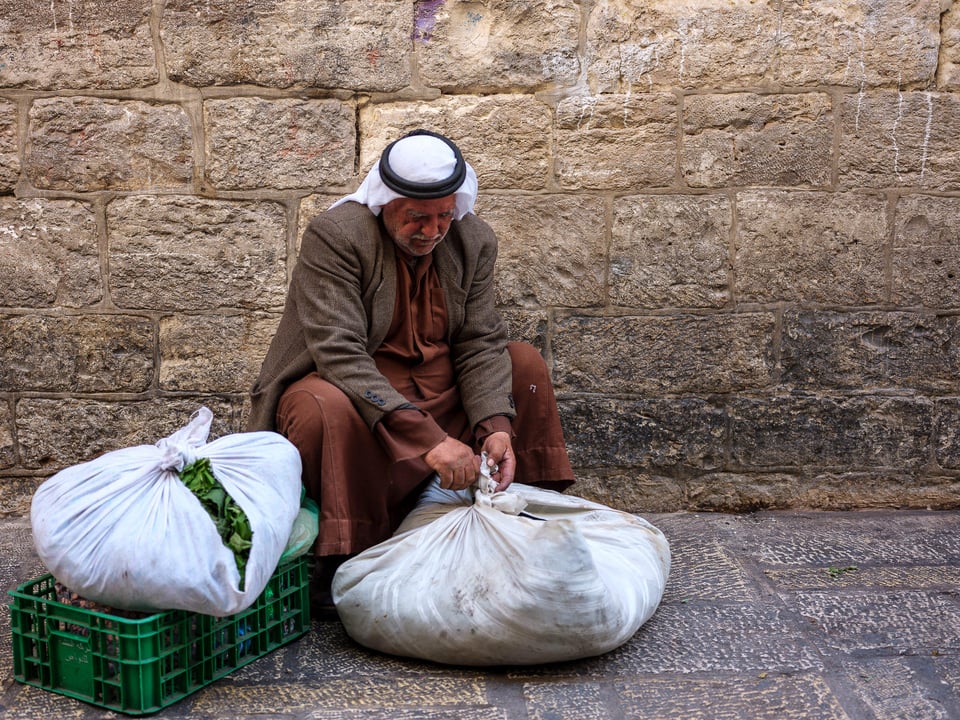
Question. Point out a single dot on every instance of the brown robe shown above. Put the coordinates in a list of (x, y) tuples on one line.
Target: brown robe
[(366, 482)]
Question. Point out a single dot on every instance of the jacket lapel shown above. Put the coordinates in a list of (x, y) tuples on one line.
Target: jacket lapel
[(385, 295), (450, 272)]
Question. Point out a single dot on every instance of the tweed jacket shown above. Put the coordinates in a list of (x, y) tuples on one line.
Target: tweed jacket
[(340, 306)]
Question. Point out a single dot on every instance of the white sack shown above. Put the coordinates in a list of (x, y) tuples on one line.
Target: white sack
[(124, 530), (465, 583)]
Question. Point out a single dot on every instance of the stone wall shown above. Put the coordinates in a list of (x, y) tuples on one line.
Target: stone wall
[(731, 226)]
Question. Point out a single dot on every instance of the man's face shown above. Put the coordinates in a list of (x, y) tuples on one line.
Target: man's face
[(418, 226)]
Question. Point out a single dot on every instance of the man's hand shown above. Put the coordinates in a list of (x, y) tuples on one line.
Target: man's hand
[(455, 463), (500, 451)]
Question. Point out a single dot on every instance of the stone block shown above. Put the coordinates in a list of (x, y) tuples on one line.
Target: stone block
[(567, 701), (281, 144), (8, 448), (213, 353), (949, 670), (644, 435), (869, 539), (493, 45), (831, 432), (85, 144), (16, 495), (844, 577), (905, 687), (926, 254), (810, 247), (864, 351), (735, 492), (552, 249), (20, 562), (744, 43), (899, 139), (616, 142), (948, 433), (63, 44), (857, 44), (186, 253), (741, 637), (310, 207), (633, 492), (526, 325), (879, 489), (742, 695), (443, 696), (749, 492), (948, 74), (653, 355), (702, 569), (352, 44), (642, 45), (9, 149), (670, 251), (54, 434), (904, 622), (504, 137), (76, 354), (750, 139), (334, 657), (51, 251)]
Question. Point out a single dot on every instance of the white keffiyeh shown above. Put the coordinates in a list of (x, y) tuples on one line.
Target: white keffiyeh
[(416, 159)]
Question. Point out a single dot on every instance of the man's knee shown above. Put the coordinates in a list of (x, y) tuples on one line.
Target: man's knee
[(306, 406), (529, 367)]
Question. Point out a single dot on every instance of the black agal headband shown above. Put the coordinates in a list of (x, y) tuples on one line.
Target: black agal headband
[(423, 190)]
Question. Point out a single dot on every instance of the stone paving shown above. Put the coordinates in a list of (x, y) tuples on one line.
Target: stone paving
[(772, 615)]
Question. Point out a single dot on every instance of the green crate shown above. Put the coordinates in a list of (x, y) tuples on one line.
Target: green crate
[(141, 666)]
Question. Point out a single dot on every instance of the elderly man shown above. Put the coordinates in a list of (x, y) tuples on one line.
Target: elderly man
[(391, 364)]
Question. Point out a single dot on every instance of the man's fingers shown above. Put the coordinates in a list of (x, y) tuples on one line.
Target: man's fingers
[(465, 477), (455, 464), (458, 476)]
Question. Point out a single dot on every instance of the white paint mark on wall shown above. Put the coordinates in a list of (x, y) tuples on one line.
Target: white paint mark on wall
[(682, 33), (856, 116), (896, 125), (926, 135), (586, 103), (53, 11), (626, 105), (642, 57), (863, 78)]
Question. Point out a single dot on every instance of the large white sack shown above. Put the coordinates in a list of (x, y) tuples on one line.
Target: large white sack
[(124, 530), (468, 581)]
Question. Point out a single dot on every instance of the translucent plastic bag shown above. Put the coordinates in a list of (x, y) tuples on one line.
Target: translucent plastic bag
[(303, 534), (525, 576), (124, 530)]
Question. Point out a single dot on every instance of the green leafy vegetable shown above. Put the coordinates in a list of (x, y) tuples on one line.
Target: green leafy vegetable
[(232, 523), (836, 572)]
